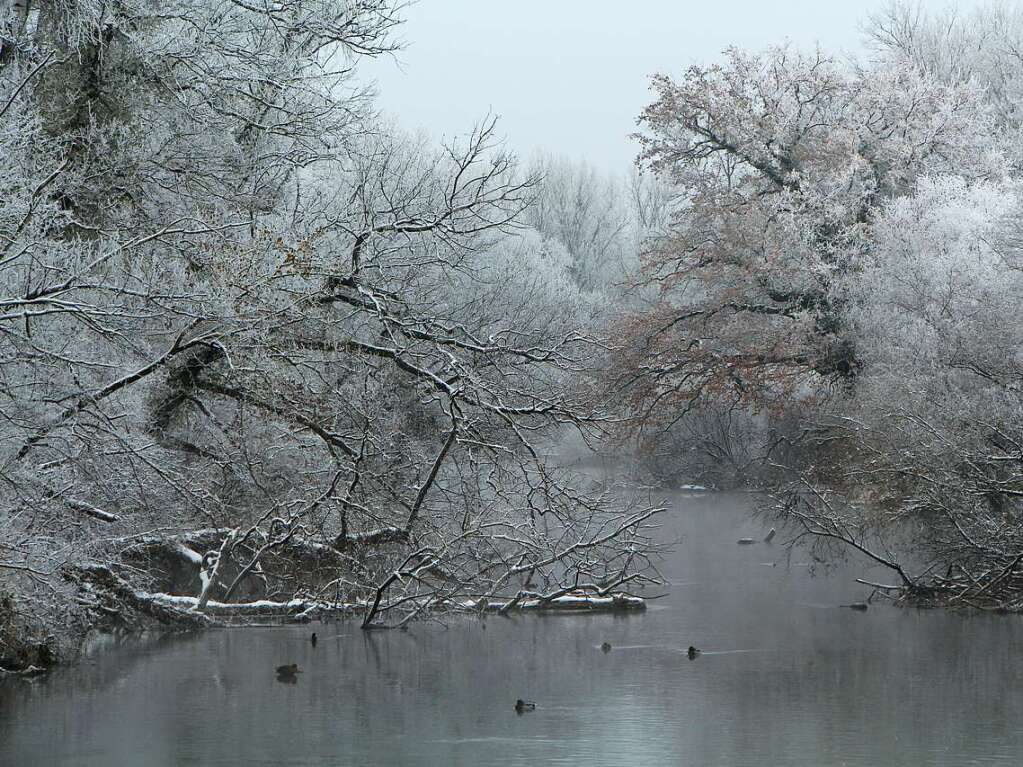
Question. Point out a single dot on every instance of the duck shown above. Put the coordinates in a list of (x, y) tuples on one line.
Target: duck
[(313, 639), (289, 669), (861, 606), (524, 705), (692, 652), (606, 647)]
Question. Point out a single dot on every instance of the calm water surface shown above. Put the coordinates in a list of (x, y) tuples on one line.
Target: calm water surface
[(788, 679)]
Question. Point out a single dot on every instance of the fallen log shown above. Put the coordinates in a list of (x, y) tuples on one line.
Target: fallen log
[(115, 592), (296, 609), (565, 603), (299, 608)]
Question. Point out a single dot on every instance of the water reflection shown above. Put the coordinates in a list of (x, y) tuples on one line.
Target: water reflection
[(785, 676)]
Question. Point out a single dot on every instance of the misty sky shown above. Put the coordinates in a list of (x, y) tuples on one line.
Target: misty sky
[(570, 76)]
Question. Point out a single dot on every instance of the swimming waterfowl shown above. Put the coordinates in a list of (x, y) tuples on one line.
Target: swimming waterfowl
[(606, 647), (524, 705), (313, 639), (289, 669), (692, 652), (857, 606)]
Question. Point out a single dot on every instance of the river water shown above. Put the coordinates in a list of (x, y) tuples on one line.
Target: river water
[(787, 678)]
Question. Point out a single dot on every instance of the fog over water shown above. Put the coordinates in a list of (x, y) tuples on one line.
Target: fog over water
[(787, 677)]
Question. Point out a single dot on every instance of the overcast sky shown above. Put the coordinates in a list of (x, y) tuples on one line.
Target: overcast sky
[(570, 76)]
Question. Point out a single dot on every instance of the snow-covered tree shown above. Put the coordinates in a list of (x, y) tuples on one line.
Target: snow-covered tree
[(928, 444), (247, 331), (780, 161), (981, 46), (589, 214)]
